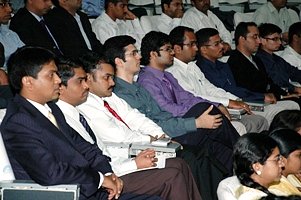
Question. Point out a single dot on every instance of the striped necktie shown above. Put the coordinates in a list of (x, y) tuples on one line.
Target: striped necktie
[(85, 124), (112, 111)]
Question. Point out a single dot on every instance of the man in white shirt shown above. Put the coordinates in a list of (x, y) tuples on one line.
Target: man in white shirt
[(199, 16), (74, 91), (117, 20), (292, 53), (193, 80), (275, 12)]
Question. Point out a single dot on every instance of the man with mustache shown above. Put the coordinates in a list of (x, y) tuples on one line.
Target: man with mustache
[(199, 16)]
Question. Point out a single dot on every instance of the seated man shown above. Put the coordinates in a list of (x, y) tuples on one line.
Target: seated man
[(117, 20), (174, 179), (199, 16), (40, 144), (30, 25), (292, 52), (193, 80), (72, 29), (219, 73), (280, 71), (216, 130), (274, 12), (121, 48)]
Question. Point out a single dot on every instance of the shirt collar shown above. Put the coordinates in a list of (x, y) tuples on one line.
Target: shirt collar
[(271, 7), (181, 64), (131, 87), (44, 109), (158, 73), (107, 18), (166, 18), (68, 109)]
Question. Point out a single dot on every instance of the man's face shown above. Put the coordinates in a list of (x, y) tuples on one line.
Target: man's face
[(120, 9), (251, 42), (189, 49), (202, 5), (45, 87), (132, 59), (5, 12), (271, 43), (101, 82), (279, 3), (175, 9), (76, 91), (165, 56), (39, 7), (74, 4), (213, 49)]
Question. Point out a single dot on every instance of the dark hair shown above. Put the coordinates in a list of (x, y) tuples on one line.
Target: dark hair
[(288, 140), (115, 47), (111, 1), (27, 61), (152, 41), (291, 197), (287, 119), (90, 61), (177, 35), (66, 69), (204, 34), (294, 29), (165, 2), (56, 3), (249, 149), (242, 30), (266, 29)]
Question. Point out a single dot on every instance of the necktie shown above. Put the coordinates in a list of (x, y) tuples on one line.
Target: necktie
[(171, 91), (57, 49), (52, 119), (86, 126), (112, 111)]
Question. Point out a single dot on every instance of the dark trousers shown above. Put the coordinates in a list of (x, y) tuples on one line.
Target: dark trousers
[(103, 195), (218, 141), (174, 182)]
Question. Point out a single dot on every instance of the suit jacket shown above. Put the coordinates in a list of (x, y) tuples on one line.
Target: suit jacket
[(246, 75), (41, 152), (67, 32), (30, 31)]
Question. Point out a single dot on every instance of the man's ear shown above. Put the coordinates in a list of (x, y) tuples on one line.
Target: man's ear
[(153, 54), (62, 89), (27, 82), (89, 77), (118, 61), (177, 49)]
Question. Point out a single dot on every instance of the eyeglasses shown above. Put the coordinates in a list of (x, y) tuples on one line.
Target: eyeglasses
[(275, 39), (277, 159), (133, 53), (168, 49), (191, 44), (5, 4), (215, 44)]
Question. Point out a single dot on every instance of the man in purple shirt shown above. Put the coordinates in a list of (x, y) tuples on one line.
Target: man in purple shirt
[(218, 135)]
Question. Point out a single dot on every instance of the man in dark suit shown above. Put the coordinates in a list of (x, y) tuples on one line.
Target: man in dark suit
[(40, 144), (72, 28), (31, 27)]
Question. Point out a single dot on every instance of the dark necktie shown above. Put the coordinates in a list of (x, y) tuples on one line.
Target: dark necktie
[(171, 91), (86, 126), (56, 49), (112, 111)]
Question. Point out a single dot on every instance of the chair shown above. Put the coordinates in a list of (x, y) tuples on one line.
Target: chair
[(227, 187), (6, 172), (242, 17), (148, 23), (293, 15)]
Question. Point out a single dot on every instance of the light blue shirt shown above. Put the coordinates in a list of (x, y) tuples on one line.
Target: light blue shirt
[(93, 7), (10, 41)]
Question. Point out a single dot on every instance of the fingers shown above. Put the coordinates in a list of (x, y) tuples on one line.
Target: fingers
[(208, 110)]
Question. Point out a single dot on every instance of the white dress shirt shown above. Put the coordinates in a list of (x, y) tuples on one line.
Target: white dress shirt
[(120, 165), (197, 20), (107, 128), (166, 23), (267, 13), (292, 57), (192, 79), (104, 28)]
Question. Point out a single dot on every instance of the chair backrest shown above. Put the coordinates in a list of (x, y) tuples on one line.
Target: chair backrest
[(242, 17), (6, 171), (227, 187), (148, 23), (293, 15)]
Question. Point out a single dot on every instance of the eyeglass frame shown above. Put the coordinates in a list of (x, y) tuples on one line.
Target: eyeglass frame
[(133, 53), (5, 4)]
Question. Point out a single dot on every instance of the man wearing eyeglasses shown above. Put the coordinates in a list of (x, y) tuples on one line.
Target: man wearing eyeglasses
[(280, 71)]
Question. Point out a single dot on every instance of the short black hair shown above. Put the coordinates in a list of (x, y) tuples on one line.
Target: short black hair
[(66, 69), (177, 35), (90, 61), (242, 30), (165, 2), (27, 61), (115, 47), (294, 29), (204, 34), (111, 1), (266, 29), (152, 41)]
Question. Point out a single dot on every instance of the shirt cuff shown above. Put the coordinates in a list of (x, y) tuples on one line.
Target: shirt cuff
[(101, 179)]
